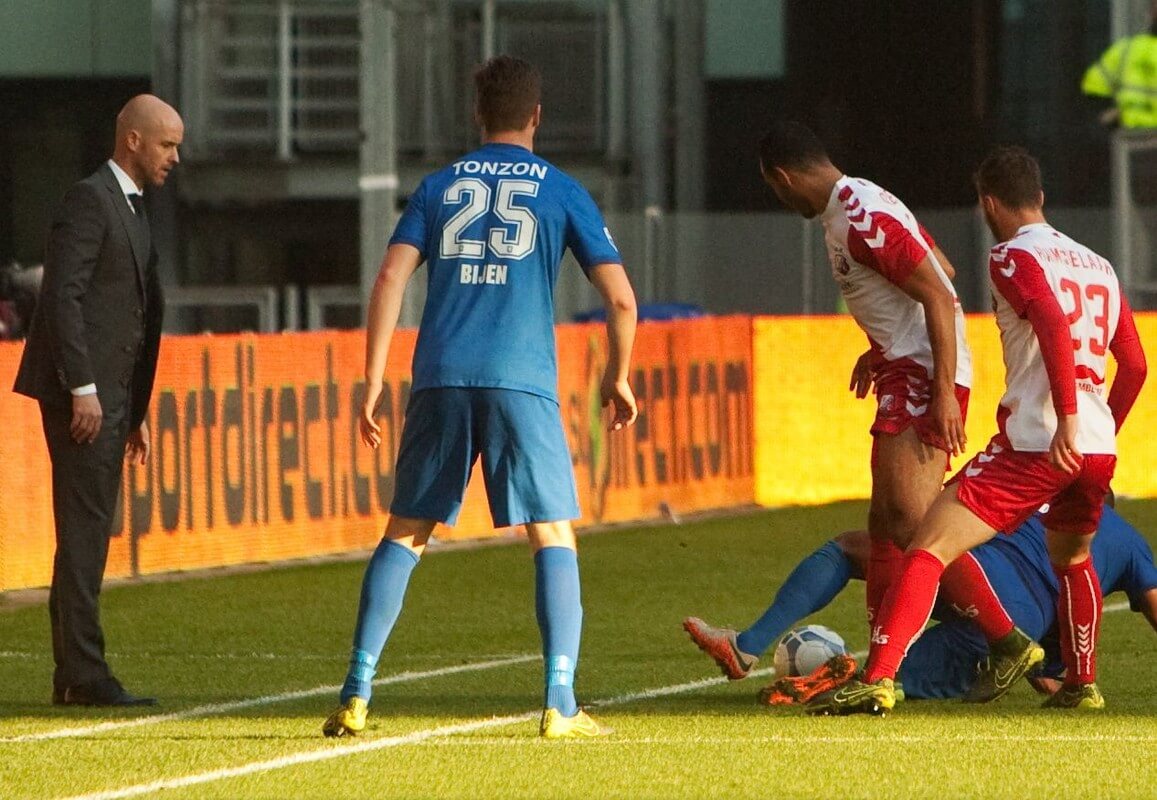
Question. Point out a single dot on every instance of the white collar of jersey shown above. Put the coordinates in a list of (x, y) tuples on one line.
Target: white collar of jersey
[(1032, 226)]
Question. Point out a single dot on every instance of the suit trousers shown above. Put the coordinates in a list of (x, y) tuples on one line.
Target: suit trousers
[(86, 482)]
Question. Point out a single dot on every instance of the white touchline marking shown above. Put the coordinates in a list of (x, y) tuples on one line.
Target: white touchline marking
[(307, 757), (332, 752), (328, 753), (223, 708), (21, 654)]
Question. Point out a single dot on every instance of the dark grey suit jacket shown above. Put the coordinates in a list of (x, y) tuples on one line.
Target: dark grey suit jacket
[(98, 319)]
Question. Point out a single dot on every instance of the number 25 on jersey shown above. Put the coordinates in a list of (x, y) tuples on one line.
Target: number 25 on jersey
[(513, 240)]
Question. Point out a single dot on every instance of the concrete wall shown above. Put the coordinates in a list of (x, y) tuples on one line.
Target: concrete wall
[(75, 38)]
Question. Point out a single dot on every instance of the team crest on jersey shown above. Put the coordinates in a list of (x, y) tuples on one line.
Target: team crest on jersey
[(840, 262)]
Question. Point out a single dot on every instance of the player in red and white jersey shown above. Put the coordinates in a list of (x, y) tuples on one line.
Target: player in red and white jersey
[(897, 285), (1038, 261), (875, 245), (1060, 309)]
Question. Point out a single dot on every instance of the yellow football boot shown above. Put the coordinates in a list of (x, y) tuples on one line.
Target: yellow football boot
[(581, 726), (348, 720), (1085, 697)]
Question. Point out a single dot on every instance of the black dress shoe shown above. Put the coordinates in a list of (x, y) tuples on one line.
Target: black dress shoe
[(108, 692)]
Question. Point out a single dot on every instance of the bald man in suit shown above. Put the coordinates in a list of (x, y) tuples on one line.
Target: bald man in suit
[(89, 360)]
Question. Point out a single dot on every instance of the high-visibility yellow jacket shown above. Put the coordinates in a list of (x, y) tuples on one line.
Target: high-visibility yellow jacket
[(1127, 72)]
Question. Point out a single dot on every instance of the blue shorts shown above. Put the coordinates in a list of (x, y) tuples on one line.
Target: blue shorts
[(942, 662), (526, 462)]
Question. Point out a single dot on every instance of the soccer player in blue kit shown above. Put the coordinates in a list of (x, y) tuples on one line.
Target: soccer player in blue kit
[(492, 228), (942, 662)]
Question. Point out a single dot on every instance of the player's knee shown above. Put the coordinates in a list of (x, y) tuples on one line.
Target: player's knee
[(409, 532), (893, 520), (550, 534)]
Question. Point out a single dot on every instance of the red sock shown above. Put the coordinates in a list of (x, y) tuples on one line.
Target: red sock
[(903, 614), (966, 587), (883, 567), (1079, 620)]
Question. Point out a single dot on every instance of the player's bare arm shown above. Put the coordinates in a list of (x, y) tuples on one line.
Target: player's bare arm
[(945, 264), (925, 287), (864, 373), (614, 287), (400, 263), (1063, 453)]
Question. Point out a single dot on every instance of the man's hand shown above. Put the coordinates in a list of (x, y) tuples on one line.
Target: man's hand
[(945, 411), (139, 445), (1063, 453), (619, 396), (87, 417), (864, 373), (370, 429)]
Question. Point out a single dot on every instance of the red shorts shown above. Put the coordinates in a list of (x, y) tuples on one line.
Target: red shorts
[(1004, 488), (903, 392)]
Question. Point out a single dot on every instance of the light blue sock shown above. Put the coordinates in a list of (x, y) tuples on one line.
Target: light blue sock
[(810, 586), (383, 589), (558, 606)]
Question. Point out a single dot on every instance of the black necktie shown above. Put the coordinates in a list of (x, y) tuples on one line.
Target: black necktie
[(144, 235), (138, 203)]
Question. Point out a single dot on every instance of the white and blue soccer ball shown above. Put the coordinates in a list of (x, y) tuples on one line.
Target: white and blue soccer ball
[(804, 649)]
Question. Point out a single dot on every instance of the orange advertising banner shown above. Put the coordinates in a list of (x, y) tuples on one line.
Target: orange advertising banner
[(811, 433), (256, 455)]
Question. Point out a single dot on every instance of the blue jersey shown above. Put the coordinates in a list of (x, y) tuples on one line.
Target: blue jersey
[(1121, 557), (492, 228), (942, 662), (1022, 576)]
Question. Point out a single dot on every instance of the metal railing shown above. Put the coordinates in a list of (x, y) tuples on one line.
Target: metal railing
[(214, 308), (281, 78), (319, 299)]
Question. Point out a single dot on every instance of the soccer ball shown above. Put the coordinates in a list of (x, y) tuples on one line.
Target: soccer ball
[(802, 650)]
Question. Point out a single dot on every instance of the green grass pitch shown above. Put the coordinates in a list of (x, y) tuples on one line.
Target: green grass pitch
[(246, 666)]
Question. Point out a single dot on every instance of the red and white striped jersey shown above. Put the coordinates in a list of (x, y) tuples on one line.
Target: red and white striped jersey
[(1036, 260), (875, 244)]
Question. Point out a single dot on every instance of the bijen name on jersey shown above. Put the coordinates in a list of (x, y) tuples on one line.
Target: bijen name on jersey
[(509, 200)]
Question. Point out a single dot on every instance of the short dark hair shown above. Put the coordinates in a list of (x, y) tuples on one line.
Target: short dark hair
[(507, 91), (791, 144), (1012, 176)]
